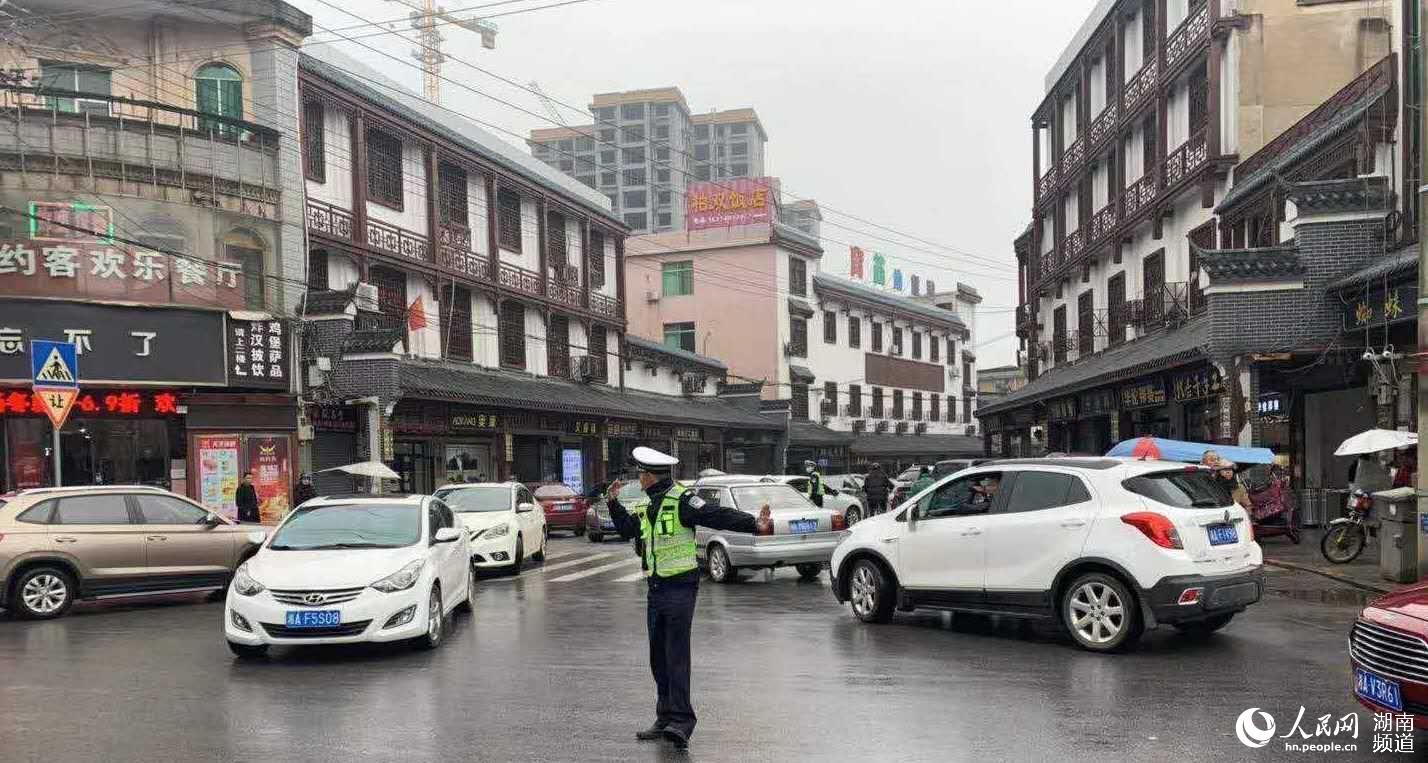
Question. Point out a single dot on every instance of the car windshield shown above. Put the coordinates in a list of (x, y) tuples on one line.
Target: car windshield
[(349, 525), (1191, 488), (776, 496), (630, 492), (910, 474), (465, 500), (554, 491)]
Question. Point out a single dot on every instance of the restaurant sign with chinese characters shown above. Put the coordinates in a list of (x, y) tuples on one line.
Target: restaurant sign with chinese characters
[(102, 403), (1198, 384), (1143, 395), (1377, 306), (117, 344), (257, 351)]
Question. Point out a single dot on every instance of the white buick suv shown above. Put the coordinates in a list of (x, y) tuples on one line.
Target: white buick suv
[(1106, 547), (350, 568)]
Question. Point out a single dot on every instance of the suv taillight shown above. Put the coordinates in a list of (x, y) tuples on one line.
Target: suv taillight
[(840, 522), (1157, 527)]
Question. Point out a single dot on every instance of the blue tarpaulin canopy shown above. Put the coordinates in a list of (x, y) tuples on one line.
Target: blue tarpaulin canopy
[(1179, 450)]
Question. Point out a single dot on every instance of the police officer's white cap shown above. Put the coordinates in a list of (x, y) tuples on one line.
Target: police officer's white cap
[(650, 459)]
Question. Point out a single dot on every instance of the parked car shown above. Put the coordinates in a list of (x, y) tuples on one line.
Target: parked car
[(1108, 547), (597, 518), (503, 521), (902, 483), (108, 542), (352, 568), (564, 508), (1389, 654), (850, 485), (952, 466), (845, 504), (804, 535)]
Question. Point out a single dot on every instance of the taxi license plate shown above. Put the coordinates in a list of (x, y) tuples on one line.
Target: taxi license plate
[(803, 526), (1223, 535), (1380, 691), (314, 618)]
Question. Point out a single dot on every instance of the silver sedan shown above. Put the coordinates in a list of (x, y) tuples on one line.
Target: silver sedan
[(804, 535)]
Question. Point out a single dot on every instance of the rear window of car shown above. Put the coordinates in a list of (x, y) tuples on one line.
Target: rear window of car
[(776, 496), (39, 514), (1183, 488), (554, 491)]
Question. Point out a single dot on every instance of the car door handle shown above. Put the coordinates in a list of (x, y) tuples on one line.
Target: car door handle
[(1072, 524), (971, 531), (158, 537), (890, 540), (65, 539)]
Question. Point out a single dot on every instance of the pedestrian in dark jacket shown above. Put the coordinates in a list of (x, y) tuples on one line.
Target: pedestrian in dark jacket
[(877, 486), (305, 490), (247, 499)]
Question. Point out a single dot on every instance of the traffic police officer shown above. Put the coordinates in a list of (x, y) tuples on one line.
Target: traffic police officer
[(665, 529), (815, 483)]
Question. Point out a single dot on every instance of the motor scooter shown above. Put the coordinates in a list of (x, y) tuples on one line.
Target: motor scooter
[(1272, 510), (1348, 535)]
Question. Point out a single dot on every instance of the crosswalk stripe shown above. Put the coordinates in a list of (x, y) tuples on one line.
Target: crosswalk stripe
[(572, 562), (549, 557), (631, 577), (593, 571)]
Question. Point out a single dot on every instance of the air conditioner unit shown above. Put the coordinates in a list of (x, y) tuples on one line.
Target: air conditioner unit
[(953, 373), (882, 426), (651, 295), (902, 427), (366, 297), (922, 428), (860, 425), (971, 430), (692, 384), (582, 369)]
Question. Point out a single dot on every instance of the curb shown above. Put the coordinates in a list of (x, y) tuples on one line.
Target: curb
[(1346, 580)]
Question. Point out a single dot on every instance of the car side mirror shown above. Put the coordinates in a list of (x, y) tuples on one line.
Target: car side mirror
[(257, 537), (211, 521), (446, 535), (524, 508)]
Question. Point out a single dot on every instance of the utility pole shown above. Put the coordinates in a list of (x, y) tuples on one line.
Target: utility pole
[(425, 17), (1420, 64)]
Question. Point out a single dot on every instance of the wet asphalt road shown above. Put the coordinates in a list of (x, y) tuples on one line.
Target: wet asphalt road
[(554, 667)]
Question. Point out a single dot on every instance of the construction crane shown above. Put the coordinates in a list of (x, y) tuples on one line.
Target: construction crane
[(546, 101), (425, 17)]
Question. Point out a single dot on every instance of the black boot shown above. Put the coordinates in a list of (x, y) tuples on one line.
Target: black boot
[(650, 734), (678, 739)]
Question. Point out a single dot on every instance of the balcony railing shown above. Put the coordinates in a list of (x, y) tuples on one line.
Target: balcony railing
[(1140, 194), (608, 307), (564, 292), (1074, 155), (329, 220), (454, 253), (1075, 244), (1190, 156), (1173, 302), (398, 241), (1104, 125), (1104, 221), (1141, 85), (1047, 183), (519, 279), (1192, 31)]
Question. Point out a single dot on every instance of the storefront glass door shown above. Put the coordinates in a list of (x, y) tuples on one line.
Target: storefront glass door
[(469, 462), (413, 462)]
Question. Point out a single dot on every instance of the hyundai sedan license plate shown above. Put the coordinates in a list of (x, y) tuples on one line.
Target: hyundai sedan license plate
[(1380, 691), (803, 526), (314, 618), (1223, 535)]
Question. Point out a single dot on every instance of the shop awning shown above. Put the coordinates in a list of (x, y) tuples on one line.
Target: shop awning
[(1157, 352), (445, 382), (930, 445), (809, 433)]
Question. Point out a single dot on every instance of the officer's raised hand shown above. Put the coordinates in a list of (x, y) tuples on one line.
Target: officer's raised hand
[(614, 490), (764, 521)]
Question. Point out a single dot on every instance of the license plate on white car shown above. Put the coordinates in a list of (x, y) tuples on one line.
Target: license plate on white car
[(1223, 535), (803, 526), (314, 618)]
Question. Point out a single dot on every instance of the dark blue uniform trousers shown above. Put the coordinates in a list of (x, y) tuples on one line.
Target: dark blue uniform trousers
[(670, 615)]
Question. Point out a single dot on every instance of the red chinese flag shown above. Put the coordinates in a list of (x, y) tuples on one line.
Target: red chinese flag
[(416, 315), (855, 263)]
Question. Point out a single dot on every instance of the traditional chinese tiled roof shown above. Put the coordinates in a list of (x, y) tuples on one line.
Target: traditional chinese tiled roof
[(327, 302), (373, 340), (801, 373), (671, 356), (1157, 352), (811, 433), (1273, 263), (892, 303), (1345, 195), (932, 445), (1398, 266), (453, 383), (797, 306)]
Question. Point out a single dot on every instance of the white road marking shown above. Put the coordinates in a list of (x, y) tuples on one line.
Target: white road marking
[(552, 557), (571, 563), (594, 570), (631, 577)]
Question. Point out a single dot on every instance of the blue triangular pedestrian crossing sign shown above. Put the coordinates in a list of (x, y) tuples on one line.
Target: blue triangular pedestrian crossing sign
[(54, 364)]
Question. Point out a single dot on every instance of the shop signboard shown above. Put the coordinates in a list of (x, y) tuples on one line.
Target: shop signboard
[(585, 427), (1061, 409), (622, 429), (652, 432), (101, 403), (218, 472), (1144, 394), (257, 352), (1380, 306), (1098, 402), (1197, 385), (333, 418), (268, 461), (1271, 406), (686, 433), (117, 343), (572, 469), (467, 421), (725, 203)]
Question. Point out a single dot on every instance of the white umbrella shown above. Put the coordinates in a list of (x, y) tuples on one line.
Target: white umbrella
[(1376, 440), (367, 469)]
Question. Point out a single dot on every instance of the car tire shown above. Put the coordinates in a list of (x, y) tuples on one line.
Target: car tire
[(1100, 613), (247, 651), (853, 515), (539, 556), (721, 570), (1203, 628), (595, 537), (871, 591), (808, 572), (42, 593), (469, 603), (520, 557), (436, 623), (579, 531)]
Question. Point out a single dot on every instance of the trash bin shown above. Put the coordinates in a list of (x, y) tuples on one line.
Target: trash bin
[(1397, 511)]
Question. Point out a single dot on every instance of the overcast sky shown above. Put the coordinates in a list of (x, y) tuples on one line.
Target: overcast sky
[(912, 115)]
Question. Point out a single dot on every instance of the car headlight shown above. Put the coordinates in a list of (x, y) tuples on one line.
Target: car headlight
[(402, 579), (499, 531), (244, 583)]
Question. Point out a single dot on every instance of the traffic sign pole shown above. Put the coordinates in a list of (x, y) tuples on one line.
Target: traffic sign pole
[(54, 379)]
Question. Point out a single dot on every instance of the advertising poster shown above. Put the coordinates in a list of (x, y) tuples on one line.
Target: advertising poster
[(572, 469), (218, 473), (721, 204), (268, 460)]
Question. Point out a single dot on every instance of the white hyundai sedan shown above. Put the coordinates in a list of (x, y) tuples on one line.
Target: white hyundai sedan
[(352, 568), (505, 523)]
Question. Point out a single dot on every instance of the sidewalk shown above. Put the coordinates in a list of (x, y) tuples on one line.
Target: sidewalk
[(1361, 573)]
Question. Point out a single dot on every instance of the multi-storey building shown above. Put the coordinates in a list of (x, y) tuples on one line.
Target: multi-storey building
[(1165, 280), (151, 216), (466, 304), (864, 374), (646, 146)]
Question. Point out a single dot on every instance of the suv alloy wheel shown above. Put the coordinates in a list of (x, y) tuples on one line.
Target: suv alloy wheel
[(42, 593), (871, 592), (1101, 613)]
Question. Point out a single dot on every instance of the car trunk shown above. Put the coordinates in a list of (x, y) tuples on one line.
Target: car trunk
[(796, 524), (1214, 530)]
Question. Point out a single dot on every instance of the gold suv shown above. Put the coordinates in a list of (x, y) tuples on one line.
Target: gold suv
[(105, 542)]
